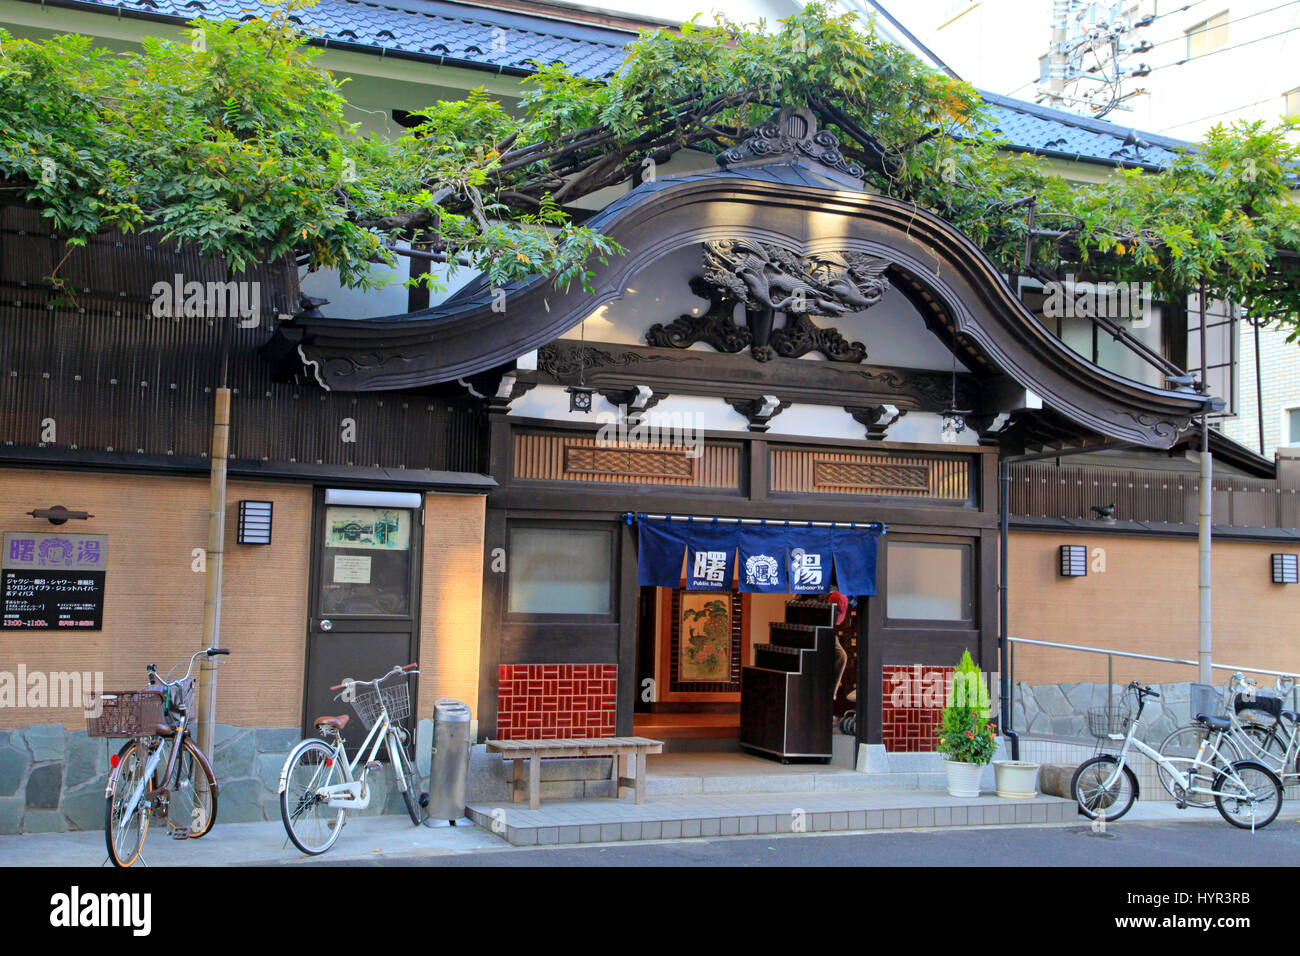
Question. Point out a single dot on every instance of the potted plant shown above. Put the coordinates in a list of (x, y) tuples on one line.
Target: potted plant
[(966, 735), (1016, 778)]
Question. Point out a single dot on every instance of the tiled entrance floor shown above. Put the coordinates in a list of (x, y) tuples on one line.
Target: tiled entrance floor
[(669, 817)]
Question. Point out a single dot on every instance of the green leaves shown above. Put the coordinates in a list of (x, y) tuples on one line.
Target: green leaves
[(236, 141)]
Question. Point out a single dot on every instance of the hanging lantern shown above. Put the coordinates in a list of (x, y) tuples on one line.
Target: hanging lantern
[(953, 424), (580, 398)]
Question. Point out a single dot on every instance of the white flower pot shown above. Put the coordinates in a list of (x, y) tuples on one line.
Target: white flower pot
[(1016, 778), (963, 778)]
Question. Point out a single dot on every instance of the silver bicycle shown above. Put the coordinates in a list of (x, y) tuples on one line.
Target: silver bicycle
[(1246, 792), (319, 784), (1259, 729)]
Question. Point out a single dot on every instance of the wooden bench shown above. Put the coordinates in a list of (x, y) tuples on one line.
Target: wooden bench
[(634, 748)]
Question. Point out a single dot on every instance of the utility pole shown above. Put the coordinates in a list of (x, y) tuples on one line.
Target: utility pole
[(1204, 526), (1083, 69), (214, 560)]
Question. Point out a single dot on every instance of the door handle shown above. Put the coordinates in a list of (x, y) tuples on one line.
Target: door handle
[(326, 625)]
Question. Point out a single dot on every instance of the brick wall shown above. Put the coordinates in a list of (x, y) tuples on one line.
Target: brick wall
[(912, 699), (550, 701), (153, 600)]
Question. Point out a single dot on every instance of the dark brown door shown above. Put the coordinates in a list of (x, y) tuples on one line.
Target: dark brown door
[(364, 602)]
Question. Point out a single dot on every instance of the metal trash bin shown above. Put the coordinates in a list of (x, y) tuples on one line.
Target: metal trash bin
[(449, 768)]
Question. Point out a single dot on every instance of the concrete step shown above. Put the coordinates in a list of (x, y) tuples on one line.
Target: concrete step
[(713, 815), (807, 781)]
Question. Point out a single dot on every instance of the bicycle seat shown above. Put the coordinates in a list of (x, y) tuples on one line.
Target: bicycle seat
[(337, 723), (164, 730), (1291, 715), (1215, 723)]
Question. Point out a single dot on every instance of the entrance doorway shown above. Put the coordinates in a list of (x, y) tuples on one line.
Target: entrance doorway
[(364, 600), (691, 646)]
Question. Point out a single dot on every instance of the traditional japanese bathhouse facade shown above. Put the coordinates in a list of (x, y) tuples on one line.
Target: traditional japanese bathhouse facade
[(776, 345)]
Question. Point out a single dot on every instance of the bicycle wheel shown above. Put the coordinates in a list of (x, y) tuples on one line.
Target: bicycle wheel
[(1094, 797), (1266, 747), (193, 801), (408, 780), (1249, 795), (312, 824), (124, 833), (1182, 746)]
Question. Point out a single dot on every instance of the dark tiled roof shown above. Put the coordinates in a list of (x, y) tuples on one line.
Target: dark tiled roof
[(1052, 132), (500, 41), (454, 33)]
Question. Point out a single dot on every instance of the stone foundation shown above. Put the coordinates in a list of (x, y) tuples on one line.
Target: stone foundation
[(1060, 710), (53, 779)]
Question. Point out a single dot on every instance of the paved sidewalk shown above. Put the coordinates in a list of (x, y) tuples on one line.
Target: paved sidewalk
[(370, 839)]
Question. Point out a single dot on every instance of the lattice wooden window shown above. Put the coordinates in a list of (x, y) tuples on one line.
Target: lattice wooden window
[(870, 476), (660, 463)]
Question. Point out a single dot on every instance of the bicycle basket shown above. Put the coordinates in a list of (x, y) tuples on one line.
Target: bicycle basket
[(396, 698), (127, 713), (1104, 721), (1205, 699)]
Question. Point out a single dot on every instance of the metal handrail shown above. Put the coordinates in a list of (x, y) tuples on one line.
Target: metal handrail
[(1111, 654), (1151, 657)]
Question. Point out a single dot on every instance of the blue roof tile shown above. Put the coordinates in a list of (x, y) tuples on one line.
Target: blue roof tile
[(502, 41)]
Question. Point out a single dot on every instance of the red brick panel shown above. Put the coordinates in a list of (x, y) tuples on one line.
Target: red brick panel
[(551, 701), (912, 699)]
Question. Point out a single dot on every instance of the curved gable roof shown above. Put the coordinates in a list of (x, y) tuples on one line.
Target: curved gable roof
[(788, 202)]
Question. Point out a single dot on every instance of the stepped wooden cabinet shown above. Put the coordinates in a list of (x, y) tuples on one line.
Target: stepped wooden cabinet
[(785, 697)]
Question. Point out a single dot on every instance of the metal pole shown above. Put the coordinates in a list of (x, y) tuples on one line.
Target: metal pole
[(1110, 683), (1004, 645), (1259, 388), (1205, 524)]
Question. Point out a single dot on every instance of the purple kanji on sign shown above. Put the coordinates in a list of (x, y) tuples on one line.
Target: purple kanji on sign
[(22, 549)]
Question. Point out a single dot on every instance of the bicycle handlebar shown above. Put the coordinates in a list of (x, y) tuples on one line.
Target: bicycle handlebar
[(397, 669), (1143, 690)]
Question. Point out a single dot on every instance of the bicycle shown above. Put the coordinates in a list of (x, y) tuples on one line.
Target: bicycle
[(136, 790), (318, 781), (1106, 788), (1255, 718), (1268, 732)]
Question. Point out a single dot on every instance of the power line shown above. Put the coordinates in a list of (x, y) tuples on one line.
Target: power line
[(1208, 116), (1224, 49), (1192, 33)]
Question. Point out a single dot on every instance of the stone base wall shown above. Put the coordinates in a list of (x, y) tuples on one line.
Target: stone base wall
[(1060, 710), (53, 779)]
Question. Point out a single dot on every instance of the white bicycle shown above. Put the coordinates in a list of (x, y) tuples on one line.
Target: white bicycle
[(1247, 793), (318, 784)]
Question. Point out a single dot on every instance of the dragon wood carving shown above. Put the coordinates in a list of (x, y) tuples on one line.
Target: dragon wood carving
[(765, 279)]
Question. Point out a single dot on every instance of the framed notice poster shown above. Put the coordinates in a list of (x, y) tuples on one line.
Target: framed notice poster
[(53, 581)]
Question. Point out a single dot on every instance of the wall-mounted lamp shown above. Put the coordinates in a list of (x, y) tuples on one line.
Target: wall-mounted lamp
[(254, 522), (1074, 561), (1286, 569), (59, 514)]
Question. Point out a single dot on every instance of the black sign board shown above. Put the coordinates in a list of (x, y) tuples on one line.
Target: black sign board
[(53, 581)]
